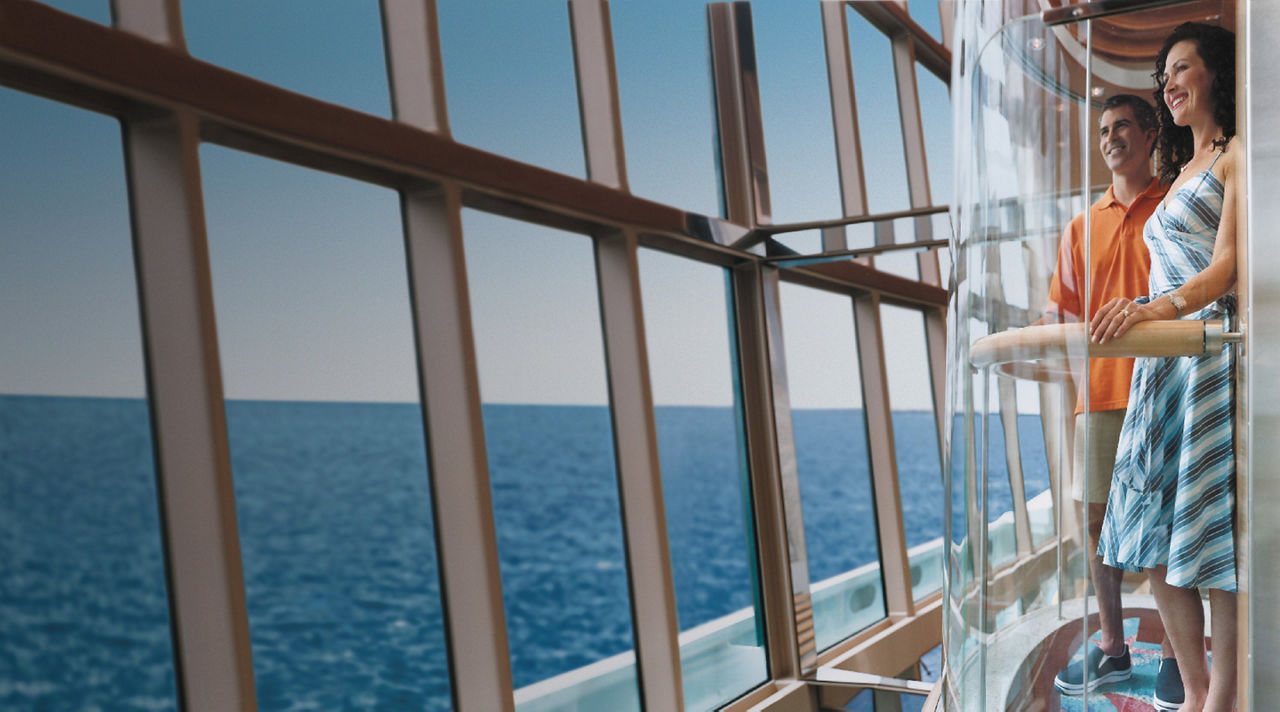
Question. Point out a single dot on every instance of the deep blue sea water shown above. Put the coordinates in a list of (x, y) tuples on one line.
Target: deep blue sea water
[(336, 536)]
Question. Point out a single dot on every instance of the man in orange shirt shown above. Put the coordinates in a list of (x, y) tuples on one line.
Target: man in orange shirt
[(1118, 266)]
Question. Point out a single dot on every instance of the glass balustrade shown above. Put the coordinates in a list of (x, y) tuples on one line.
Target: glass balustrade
[(1024, 383)]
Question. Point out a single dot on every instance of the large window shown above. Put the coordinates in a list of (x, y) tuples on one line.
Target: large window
[(327, 445), (84, 614), (698, 411), (796, 105), (663, 61), (510, 78), (880, 127), (547, 425), (916, 443), (328, 49), (832, 462)]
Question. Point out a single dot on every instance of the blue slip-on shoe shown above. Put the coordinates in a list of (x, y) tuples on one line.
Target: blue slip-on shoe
[(1103, 669), (1169, 694)]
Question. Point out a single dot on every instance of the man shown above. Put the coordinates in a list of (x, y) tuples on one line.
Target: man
[(1119, 266)]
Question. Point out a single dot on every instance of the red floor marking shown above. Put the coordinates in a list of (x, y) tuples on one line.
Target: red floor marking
[(1124, 703)]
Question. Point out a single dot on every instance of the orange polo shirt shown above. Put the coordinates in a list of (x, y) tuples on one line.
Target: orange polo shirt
[(1120, 267)]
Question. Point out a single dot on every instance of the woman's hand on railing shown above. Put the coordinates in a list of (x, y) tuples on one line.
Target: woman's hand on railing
[(1116, 317)]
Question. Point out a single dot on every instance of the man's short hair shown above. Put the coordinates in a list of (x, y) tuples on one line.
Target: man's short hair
[(1143, 112)]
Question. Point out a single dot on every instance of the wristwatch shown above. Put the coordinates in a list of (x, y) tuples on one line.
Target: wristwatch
[(1179, 303)]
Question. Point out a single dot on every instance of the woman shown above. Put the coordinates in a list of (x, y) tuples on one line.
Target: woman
[(1172, 503)]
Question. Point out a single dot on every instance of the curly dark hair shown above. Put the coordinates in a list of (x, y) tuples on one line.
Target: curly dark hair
[(1217, 48)]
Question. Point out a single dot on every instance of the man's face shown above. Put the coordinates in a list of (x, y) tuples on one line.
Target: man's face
[(1124, 146)]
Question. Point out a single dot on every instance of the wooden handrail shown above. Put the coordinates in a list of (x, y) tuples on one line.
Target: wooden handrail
[(1055, 341)]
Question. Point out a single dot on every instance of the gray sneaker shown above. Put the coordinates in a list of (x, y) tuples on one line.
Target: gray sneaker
[(1103, 670), (1169, 694)]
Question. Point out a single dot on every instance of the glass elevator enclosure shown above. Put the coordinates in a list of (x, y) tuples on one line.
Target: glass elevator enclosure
[(1028, 91)]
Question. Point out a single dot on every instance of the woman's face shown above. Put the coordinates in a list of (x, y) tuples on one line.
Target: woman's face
[(1187, 84)]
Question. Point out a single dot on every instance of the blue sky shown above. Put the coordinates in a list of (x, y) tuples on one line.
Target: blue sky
[(309, 276)]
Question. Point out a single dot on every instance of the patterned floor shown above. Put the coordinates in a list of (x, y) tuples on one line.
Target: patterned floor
[(1132, 695)]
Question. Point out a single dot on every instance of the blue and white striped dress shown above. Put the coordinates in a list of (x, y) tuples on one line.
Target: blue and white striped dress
[(1173, 494)]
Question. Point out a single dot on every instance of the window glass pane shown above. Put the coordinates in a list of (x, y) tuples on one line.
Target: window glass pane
[(704, 477), (663, 58), (935, 118), (84, 617), (804, 242), (331, 49), (509, 75), (327, 444), (926, 14), (548, 430), (832, 462), (879, 123), (915, 440), (796, 104), (97, 10)]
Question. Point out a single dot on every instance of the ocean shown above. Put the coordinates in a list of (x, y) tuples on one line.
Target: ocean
[(336, 535)]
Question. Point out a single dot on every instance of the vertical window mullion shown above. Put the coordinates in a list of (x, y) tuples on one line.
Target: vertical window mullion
[(880, 446), (193, 463), (598, 93), (844, 116), (775, 487), (466, 538), (744, 172), (470, 581), (653, 600), (415, 65)]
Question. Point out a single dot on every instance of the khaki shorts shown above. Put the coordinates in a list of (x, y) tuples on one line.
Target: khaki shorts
[(1103, 434)]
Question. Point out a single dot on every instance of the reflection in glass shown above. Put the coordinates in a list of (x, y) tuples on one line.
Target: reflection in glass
[(999, 495), (509, 75), (832, 462), (327, 448), (704, 477), (84, 617), (663, 60), (916, 443), (1035, 462), (540, 356), (331, 50)]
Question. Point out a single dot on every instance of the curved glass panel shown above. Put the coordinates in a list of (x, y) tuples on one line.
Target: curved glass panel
[(1019, 106), (1043, 224)]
